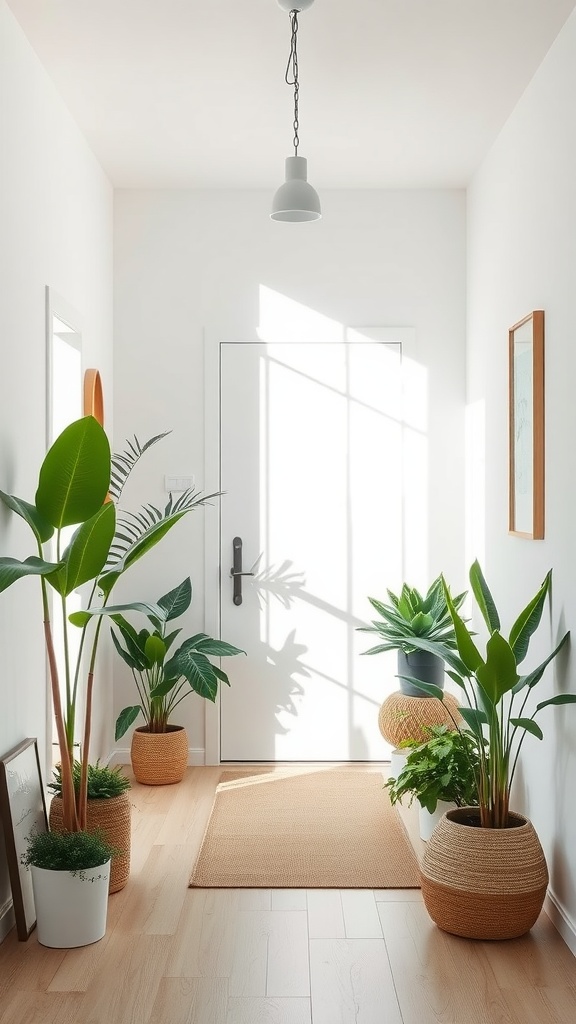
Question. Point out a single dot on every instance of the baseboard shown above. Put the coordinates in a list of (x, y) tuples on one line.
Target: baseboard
[(561, 920), (7, 919), (121, 755)]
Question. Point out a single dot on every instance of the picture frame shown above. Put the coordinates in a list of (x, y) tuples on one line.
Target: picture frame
[(526, 427), (22, 812)]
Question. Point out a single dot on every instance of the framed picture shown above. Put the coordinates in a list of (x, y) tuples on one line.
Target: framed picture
[(526, 415), (22, 812)]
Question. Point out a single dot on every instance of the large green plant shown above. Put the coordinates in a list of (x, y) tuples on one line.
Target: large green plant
[(73, 490), (444, 767), (497, 695), (411, 615), (163, 679)]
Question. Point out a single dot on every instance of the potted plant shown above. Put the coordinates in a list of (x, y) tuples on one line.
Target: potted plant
[(108, 812), (411, 616), (484, 874), (74, 482), (163, 678), (70, 877), (440, 773)]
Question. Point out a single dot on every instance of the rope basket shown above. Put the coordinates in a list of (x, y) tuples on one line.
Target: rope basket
[(113, 818), (405, 718), (484, 883), (159, 758)]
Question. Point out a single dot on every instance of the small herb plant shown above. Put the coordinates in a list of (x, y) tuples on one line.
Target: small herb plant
[(445, 768), (413, 615), (68, 851), (104, 783), (164, 679)]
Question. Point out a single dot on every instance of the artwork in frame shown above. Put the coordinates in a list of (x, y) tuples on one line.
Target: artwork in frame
[(22, 812), (526, 426)]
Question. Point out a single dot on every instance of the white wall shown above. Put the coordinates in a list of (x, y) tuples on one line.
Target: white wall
[(522, 256), (189, 265), (55, 229)]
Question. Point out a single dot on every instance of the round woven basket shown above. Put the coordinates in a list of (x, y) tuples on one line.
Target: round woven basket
[(484, 883), (113, 817), (405, 718), (159, 758)]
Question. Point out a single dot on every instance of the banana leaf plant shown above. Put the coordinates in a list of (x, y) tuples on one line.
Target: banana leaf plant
[(497, 706), (163, 679), (75, 484)]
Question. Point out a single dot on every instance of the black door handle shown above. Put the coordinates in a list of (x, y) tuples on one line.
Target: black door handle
[(236, 570)]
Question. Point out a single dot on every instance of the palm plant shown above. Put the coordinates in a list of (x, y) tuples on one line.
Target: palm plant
[(412, 615), (73, 490), (497, 696)]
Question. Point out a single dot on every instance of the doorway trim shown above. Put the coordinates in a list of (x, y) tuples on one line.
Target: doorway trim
[(406, 336)]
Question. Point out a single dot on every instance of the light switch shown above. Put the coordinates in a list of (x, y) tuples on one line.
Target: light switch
[(178, 483)]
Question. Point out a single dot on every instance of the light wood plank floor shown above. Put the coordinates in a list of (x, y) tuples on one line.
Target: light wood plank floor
[(173, 955)]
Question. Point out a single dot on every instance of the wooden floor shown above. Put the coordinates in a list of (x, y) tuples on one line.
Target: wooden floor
[(173, 955)]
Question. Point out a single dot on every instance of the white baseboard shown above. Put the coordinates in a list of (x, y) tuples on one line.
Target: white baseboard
[(7, 919), (561, 920), (121, 755)]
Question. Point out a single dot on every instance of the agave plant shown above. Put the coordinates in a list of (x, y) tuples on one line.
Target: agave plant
[(74, 487), (497, 696), (411, 615)]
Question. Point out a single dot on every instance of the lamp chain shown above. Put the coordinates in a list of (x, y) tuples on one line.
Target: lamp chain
[(292, 66)]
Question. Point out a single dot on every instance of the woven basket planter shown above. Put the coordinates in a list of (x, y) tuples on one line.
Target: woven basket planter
[(159, 758), (113, 817), (484, 883), (405, 718)]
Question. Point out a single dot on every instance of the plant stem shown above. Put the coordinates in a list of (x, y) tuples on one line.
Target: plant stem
[(69, 815)]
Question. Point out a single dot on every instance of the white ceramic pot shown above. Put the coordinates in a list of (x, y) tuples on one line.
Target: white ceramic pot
[(397, 762), (71, 908), (429, 821)]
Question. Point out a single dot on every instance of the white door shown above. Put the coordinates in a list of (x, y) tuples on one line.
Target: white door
[(311, 470)]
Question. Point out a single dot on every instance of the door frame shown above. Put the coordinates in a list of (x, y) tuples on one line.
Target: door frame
[(213, 571)]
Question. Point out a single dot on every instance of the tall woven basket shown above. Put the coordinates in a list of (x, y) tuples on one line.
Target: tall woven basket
[(484, 883), (159, 758), (113, 817)]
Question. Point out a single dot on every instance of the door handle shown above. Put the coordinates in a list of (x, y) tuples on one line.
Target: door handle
[(236, 570)]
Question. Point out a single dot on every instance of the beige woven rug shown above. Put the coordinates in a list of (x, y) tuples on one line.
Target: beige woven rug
[(307, 829)]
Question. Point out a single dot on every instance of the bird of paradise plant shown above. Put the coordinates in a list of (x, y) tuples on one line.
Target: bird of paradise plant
[(497, 696), (77, 479)]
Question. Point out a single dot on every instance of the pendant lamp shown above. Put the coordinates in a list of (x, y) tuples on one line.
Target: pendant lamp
[(296, 199)]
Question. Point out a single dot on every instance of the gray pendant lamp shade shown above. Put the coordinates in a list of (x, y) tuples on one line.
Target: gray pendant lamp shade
[(296, 200)]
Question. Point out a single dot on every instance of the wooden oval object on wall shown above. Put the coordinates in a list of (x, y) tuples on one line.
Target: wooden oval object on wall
[(93, 397)]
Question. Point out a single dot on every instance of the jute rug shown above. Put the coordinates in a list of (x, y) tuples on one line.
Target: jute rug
[(309, 829)]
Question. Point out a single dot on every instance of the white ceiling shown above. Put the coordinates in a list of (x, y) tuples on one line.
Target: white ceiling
[(393, 93)]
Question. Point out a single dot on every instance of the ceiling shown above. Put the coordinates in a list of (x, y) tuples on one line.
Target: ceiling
[(393, 93)]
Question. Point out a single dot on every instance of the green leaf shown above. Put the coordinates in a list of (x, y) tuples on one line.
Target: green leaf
[(499, 674), (125, 720), (163, 688), (475, 719), (136, 663), (75, 474), (529, 725), (12, 570), (80, 619), (427, 688), (484, 598), (196, 669), (221, 675), (218, 648), (467, 649), (528, 621), (155, 650), (144, 544), (87, 552), (422, 623), (434, 647), (535, 676), (456, 679), (561, 698), (176, 601), (41, 528)]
